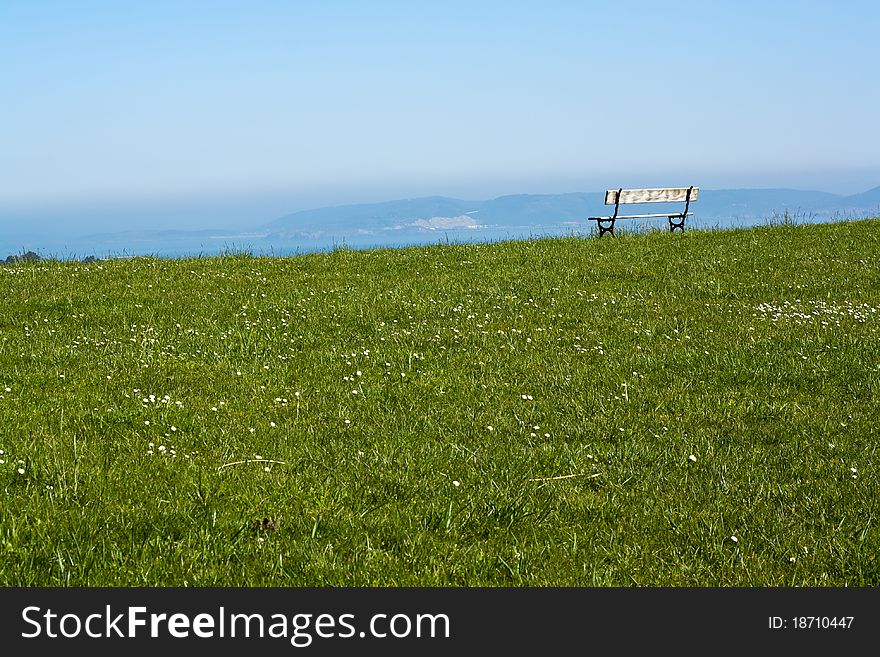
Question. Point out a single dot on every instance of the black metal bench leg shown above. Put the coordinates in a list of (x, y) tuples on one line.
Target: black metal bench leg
[(606, 229), (676, 224)]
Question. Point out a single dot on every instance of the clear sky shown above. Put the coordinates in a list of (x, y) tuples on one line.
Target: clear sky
[(311, 102)]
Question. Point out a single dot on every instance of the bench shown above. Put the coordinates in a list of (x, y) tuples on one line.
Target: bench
[(670, 195)]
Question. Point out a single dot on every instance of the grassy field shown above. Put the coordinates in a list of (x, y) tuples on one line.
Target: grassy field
[(697, 409)]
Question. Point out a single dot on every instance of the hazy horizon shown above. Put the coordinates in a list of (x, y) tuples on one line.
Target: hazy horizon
[(247, 211)]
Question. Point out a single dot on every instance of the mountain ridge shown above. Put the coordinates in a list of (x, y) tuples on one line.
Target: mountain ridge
[(552, 209), (418, 220)]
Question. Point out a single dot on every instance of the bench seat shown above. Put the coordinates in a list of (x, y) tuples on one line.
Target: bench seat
[(664, 195)]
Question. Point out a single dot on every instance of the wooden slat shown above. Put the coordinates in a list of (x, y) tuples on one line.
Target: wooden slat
[(642, 216), (670, 194)]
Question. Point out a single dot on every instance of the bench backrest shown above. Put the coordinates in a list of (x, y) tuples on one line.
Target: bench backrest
[(615, 196)]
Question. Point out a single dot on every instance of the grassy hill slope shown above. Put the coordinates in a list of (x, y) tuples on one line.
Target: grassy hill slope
[(695, 409)]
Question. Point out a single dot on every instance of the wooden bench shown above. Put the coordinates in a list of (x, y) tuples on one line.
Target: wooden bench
[(670, 195)]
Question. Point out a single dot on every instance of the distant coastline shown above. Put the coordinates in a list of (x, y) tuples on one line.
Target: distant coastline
[(427, 220)]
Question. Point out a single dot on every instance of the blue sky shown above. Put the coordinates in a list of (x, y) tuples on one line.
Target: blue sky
[(266, 107)]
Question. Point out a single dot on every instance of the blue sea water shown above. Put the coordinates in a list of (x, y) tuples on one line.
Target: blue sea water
[(183, 245)]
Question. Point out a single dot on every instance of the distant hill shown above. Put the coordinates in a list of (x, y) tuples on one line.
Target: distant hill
[(422, 220), (369, 216), (436, 212), (869, 199), (727, 206)]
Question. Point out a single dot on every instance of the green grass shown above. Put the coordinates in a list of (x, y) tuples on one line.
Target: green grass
[(387, 389)]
